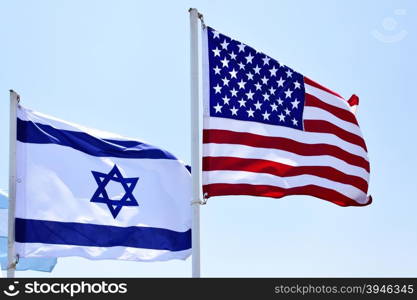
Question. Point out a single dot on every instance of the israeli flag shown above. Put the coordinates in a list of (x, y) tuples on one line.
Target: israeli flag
[(84, 192), (24, 264)]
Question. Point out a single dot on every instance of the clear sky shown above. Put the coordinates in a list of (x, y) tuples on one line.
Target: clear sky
[(123, 66)]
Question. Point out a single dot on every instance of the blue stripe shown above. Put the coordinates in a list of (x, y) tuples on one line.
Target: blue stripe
[(31, 132), (51, 232)]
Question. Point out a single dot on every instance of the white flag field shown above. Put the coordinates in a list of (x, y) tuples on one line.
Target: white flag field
[(84, 192)]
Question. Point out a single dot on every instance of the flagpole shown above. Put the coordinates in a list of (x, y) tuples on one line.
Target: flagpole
[(11, 259), (195, 142)]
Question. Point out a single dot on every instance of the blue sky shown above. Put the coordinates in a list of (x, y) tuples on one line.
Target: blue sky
[(123, 66)]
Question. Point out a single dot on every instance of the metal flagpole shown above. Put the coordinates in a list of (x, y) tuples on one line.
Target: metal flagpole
[(195, 142), (11, 259)]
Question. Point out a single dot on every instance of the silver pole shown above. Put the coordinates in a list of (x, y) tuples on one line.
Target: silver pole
[(195, 142), (11, 255)]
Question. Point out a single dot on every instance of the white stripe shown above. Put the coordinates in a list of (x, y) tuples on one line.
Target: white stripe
[(284, 132), (327, 97), (243, 177), (284, 157), (315, 113), (122, 253), (26, 114)]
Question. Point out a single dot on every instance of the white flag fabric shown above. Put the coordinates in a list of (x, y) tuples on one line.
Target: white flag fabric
[(84, 192)]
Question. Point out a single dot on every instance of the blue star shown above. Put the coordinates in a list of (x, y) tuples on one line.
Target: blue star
[(101, 196)]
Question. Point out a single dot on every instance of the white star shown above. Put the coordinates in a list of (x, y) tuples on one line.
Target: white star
[(295, 103), (294, 121), (233, 92), (217, 89), (297, 85), (287, 111), (288, 93), (224, 44), (250, 95), (280, 101), (258, 105), (225, 81), (232, 55), (233, 73), (249, 58), (250, 112), (258, 86), (241, 84), (265, 80), (241, 47), (266, 60), (274, 106), (218, 108), (217, 70), (256, 69), (225, 62), (281, 117), (250, 76), (234, 111), (273, 71), (216, 34), (266, 115), (280, 82), (266, 97), (241, 66), (289, 73), (216, 52), (242, 102), (226, 100), (272, 91)]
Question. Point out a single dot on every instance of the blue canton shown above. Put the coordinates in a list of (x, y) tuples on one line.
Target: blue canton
[(101, 196), (248, 85)]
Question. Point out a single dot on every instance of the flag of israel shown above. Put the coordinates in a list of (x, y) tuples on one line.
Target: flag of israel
[(84, 192)]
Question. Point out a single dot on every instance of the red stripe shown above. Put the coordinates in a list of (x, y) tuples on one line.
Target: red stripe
[(353, 100), (279, 169), (319, 86), (327, 127), (341, 113), (225, 189), (254, 140)]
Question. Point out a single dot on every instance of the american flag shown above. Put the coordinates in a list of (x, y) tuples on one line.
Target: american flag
[(270, 131)]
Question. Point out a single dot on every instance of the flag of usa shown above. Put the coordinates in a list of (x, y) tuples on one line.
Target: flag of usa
[(270, 131)]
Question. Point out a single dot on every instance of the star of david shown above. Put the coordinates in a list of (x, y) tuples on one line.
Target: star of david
[(101, 196)]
